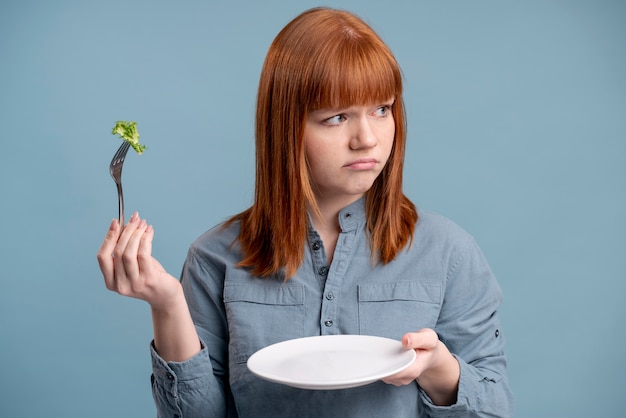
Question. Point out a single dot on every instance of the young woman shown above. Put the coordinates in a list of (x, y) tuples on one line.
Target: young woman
[(331, 245)]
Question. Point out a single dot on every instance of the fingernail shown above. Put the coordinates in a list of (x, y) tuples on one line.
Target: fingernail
[(113, 225)]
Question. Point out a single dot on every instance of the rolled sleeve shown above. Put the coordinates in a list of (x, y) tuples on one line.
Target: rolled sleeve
[(470, 327), (474, 381), (186, 389)]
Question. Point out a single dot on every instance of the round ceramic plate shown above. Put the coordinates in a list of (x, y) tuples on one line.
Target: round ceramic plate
[(330, 361)]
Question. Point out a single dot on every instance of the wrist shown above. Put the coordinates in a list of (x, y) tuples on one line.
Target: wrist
[(441, 380), (175, 336), (170, 301)]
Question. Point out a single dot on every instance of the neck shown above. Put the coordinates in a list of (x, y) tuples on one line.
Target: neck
[(326, 222), (329, 208)]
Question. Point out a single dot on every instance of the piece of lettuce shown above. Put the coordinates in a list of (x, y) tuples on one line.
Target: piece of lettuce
[(128, 132)]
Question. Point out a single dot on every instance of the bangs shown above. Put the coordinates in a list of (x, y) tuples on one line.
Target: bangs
[(354, 73)]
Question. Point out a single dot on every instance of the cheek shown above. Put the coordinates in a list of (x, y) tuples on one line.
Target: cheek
[(317, 152), (311, 153), (314, 159), (388, 138)]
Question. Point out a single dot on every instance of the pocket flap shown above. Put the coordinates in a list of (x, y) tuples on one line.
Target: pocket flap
[(429, 292), (267, 295)]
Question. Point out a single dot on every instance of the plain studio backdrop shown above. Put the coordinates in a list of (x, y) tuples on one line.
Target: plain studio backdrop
[(517, 131)]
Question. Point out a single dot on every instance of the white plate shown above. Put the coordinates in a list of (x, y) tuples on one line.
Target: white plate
[(330, 361)]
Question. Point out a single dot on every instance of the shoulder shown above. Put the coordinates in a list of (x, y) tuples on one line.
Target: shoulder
[(434, 226), (217, 242), (440, 238)]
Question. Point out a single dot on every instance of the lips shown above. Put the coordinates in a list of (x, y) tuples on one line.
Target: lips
[(362, 164)]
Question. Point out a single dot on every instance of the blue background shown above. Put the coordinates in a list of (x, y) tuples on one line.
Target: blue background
[(517, 131)]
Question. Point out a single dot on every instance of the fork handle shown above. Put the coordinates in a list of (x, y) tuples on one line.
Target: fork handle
[(120, 199)]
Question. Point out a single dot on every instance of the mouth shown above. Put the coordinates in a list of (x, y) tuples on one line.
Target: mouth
[(362, 164)]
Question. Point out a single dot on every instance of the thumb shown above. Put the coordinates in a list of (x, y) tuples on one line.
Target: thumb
[(423, 339)]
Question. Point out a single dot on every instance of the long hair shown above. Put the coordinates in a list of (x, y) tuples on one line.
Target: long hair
[(323, 58)]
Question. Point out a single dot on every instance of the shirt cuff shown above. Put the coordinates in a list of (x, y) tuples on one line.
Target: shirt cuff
[(467, 387), (181, 373)]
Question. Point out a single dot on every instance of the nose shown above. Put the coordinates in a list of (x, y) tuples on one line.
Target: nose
[(363, 134)]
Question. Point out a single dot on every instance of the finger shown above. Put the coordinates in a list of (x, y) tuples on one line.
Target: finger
[(144, 252), (420, 342), (128, 229), (122, 241), (120, 281), (424, 339), (105, 259), (129, 258)]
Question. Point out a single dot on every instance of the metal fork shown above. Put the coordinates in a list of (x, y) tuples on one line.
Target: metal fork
[(115, 168)]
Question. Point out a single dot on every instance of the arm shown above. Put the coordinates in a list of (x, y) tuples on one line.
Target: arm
[(470, 327), (133, 272), (460, 366), (182, 381)]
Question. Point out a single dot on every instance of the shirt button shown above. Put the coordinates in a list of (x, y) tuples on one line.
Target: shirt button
[(316, 246), (497, 333), (170, 376), (323, 271), (328, 323), (330, 296)]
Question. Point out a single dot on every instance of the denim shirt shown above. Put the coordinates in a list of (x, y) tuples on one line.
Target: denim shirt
[(440, 281)]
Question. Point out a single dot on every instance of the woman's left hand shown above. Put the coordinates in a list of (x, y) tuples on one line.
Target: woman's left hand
[(435, 368)]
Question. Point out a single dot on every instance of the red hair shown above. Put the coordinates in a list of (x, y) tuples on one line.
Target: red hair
[(323, 58)]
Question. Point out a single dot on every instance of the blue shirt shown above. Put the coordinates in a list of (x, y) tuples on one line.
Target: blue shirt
[(441, 281)]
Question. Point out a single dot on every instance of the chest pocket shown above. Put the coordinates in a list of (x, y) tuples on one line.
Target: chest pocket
[(262, 314), (393, 309)]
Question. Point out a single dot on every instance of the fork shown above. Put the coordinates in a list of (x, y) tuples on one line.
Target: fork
[(115, 168)]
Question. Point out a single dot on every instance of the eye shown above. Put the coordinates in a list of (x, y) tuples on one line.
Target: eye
[(334, 120), (383, 111)]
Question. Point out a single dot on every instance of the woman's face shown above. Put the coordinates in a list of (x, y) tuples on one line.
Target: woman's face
[(347, 149)]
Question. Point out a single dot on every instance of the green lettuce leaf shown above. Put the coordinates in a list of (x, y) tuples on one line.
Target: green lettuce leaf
[(128, 132)]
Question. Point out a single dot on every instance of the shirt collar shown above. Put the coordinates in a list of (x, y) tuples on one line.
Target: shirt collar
[(349, 217), (352, 215)]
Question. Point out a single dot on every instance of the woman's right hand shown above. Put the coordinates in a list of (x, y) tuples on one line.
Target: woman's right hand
[(129, 269)]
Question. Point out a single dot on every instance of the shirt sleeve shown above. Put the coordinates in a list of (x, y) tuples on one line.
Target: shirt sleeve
[(197, 387), (185, 389), (470, 327)]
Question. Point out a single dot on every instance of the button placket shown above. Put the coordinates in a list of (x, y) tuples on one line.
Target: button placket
[(331, 320), (329, 305)]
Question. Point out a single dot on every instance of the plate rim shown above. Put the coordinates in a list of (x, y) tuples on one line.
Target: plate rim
[(341, 384)]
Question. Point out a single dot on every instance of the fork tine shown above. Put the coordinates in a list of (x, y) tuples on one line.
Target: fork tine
[(120, 154), (123, 149)]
